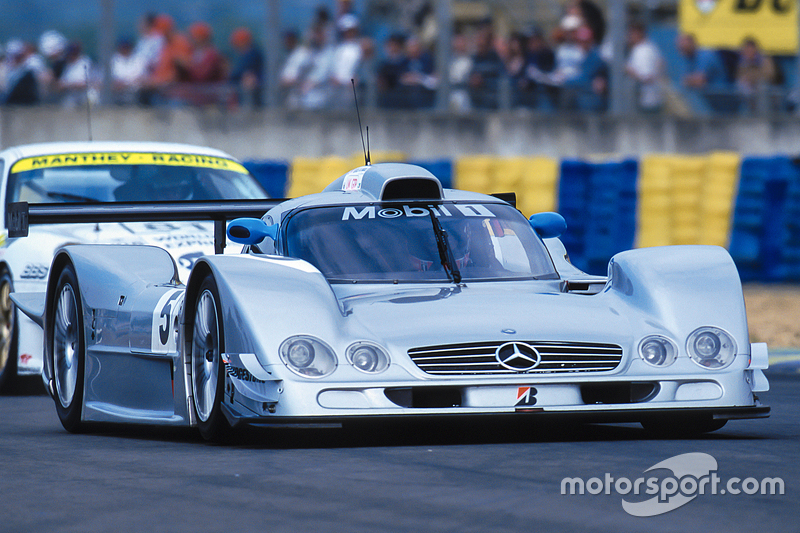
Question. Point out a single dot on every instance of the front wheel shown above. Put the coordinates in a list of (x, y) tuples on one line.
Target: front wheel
[(208, 369), (68, 349), (8, 333)]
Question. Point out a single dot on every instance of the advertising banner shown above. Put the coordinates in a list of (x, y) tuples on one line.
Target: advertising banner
[(726, 23)]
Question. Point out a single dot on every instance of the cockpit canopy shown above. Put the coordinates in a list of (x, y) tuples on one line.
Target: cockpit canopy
[(397, 242)]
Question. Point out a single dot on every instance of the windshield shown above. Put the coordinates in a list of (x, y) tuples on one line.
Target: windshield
[(485, 241), (129, 177)]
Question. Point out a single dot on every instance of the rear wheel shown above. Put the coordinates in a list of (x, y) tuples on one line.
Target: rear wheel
[(68, 349), (8, 333), (208, 370)]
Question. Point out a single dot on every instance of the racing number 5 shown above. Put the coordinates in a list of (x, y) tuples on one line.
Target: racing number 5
[(163, 338)]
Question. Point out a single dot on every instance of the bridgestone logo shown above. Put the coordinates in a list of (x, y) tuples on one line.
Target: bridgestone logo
[(242, 374)]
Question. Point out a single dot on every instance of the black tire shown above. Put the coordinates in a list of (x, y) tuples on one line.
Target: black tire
[(208, 369), (682, 427), (8, 334), (68, 349)]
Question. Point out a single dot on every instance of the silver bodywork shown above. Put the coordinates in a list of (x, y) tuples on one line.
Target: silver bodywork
[(28, 260), (137, 318)]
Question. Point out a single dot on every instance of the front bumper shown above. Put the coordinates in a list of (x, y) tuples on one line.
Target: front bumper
[(609, 416), (726, 395)]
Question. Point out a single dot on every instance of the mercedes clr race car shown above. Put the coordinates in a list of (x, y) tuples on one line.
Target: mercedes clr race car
[(388, 296), (101, 173)]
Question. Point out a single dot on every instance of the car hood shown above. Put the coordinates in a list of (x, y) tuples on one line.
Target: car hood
[(482, 311)]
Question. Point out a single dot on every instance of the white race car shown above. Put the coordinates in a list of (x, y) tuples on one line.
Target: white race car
[(102, 173), (389, 296)]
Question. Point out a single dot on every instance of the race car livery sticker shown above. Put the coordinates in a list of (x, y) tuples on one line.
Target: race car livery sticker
[(165, 316), (242, 374), (526, 396), (187, 261), (35, 271), (352, 180), (127, 158), (370, 211), (181, 240)]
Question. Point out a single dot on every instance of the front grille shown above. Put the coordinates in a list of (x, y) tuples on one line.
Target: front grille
[(479, 358)]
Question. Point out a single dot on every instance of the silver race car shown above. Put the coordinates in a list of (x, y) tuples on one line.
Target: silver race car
[(388, 296), (107, 173)]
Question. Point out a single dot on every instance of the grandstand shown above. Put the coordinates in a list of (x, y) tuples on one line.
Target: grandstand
[(98, 27)]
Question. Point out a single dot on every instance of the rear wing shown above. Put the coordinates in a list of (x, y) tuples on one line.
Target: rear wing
[(21, 215)]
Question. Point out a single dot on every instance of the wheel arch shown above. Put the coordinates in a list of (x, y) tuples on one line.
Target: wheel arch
[(8, 370), (215, 427), (60, 261), (200, 270)]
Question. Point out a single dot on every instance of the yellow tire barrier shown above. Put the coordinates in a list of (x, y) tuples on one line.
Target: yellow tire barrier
[(686, 199), (534, 179)]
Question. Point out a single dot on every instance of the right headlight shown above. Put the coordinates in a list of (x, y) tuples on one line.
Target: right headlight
[(657, 350), (711, 347), (308, 356)]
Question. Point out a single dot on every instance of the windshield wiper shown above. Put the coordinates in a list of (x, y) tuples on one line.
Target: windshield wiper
[(445, 253)]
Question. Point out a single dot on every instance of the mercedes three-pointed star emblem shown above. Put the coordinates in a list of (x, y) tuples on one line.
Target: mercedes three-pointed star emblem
[(518, 356)]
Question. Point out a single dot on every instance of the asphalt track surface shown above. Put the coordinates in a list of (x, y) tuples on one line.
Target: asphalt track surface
[(407, 477)]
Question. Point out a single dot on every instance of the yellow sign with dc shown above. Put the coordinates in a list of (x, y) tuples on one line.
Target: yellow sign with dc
[(727, 23)]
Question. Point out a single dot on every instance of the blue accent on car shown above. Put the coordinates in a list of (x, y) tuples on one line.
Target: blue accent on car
[(548, 225), (251, 230)]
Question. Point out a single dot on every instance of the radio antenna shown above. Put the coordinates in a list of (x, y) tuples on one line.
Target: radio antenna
[(88, 102), (360, 129)]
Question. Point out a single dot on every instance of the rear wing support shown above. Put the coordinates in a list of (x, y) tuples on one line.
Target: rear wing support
[(21, 215)]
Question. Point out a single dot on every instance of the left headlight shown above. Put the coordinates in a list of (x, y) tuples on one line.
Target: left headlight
[(711, 347), (368, 357), (308, 356)]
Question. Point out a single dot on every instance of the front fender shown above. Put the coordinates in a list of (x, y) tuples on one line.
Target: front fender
[(266, 299), (682, 288), (127, 269)]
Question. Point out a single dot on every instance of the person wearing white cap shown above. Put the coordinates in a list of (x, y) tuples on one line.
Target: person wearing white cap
[(569, 54), (346, 59), (53, 46)]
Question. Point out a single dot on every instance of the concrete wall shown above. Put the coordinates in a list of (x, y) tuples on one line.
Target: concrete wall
[(279, 134)]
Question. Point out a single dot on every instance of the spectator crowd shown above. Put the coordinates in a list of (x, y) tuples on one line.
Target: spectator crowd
[(567, 68), (163, 66)]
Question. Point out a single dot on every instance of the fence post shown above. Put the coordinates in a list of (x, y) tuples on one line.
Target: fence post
[(272, 49), (107, 39), (617, 19), (444, 24)]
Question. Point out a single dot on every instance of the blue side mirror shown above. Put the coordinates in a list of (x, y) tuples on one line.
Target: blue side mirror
[(548, 225), (251, 230)]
